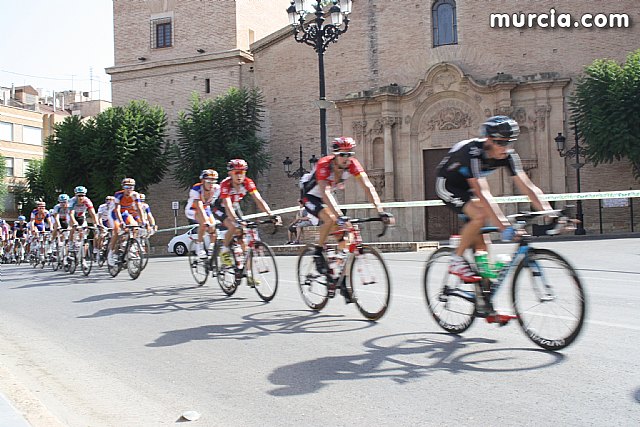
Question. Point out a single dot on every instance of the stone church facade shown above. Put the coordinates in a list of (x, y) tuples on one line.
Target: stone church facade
[(401, 93)]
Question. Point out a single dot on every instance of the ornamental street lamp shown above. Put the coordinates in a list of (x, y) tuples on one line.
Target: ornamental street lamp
[(301, 170), (575, 151), (318, 35), (298, 173)]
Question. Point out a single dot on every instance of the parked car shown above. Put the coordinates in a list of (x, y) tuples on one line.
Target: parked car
[(182, 243)]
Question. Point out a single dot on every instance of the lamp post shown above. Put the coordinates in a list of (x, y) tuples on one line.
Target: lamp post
[(301, 170), (575, 151), (318, 35)]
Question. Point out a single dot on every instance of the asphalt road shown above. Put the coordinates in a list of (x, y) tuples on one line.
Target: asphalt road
[(115, 352)]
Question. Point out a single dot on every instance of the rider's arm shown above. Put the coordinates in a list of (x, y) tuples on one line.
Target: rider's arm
[(480, 188), (197, 203), (370, 190), (261, 203), (94, 217), (529, 189), (72, 217)]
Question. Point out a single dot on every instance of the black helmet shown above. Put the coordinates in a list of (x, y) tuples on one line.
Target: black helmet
[(501, 127)]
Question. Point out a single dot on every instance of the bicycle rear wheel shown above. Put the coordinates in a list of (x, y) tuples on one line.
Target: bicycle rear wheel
[(198, 268), (313, 285), (548, 299), (370, 286), (133, 256), (263, 271), (450, 301)]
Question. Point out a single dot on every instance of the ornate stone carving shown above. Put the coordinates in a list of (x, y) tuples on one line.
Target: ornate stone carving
[(542, 113), (478, 98), (445, 80), (504, 111), (487, 112), (378, 127), (376, 176), (450, 118), (359, 127), (390, 121), (520, 115), (407, 119)]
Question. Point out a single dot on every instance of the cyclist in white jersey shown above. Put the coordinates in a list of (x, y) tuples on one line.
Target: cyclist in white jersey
[(198, 209)]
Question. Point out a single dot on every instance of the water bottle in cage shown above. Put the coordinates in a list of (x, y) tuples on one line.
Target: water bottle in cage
[(237, 254)]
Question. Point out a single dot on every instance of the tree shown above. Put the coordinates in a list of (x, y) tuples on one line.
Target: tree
[(36, 189), (98, 153), (606, 107), (214, 131), (126, 141)]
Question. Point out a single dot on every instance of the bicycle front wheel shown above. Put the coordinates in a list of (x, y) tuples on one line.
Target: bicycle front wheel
[(370, 286), (263, 271), (548, 299), (313, 285), (225, 274), (134, 259), (450, 301), (86, 258), (198, 268), (145, 246)]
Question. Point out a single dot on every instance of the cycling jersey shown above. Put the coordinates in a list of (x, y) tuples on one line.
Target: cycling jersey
[(467, 159), (40, 219), (324, 172), (197, 193), (127, 203), (20, 230), (227, 190), (80, 206), (63, 212)]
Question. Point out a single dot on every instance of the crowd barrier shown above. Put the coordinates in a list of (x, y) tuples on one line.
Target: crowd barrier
[(594, 195)]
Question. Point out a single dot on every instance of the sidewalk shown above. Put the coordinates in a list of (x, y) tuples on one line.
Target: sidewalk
[(9, 416)]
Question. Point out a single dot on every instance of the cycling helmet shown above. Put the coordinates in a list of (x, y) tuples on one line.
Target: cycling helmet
[(129, 181), (63, 198), (109, 199), (143, 197), (43, 204), (22, 218), (209, 174), (237, 165), (80, 190), (345, 144), (501, 127)]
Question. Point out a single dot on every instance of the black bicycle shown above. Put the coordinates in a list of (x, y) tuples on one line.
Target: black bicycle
[(129, 254), (360, 274), (547, 296), (257, 263)]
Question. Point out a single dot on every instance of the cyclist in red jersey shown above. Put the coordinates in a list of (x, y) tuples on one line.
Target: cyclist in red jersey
[(330, 172), (226, 208)]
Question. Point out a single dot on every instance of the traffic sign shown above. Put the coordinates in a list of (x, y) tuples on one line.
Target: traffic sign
[(175, 205)]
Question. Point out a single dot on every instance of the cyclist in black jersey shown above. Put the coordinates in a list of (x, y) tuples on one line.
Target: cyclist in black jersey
[(461, 183)]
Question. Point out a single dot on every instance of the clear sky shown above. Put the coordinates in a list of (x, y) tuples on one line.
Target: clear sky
[(57, 45)]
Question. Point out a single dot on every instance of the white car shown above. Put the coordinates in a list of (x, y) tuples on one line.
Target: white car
[(182, 243)]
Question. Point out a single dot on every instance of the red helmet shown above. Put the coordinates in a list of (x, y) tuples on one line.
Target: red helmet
[(344, 143), (237, 165)]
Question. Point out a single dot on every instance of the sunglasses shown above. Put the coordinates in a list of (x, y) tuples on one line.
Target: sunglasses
[(128, 187), (81, 195), (346, 154), (238, 172), (503, 142)]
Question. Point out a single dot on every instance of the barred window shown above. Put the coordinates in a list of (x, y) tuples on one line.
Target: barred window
[(445, 25), (161, 33)]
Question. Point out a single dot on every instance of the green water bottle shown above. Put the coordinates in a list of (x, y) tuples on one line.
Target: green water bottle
[(502, 262), (482, 264)]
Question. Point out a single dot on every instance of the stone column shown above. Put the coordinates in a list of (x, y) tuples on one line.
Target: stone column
[(389, 158)]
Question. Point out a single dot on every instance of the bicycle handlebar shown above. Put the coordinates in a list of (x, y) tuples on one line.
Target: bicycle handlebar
[(371, 219)]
